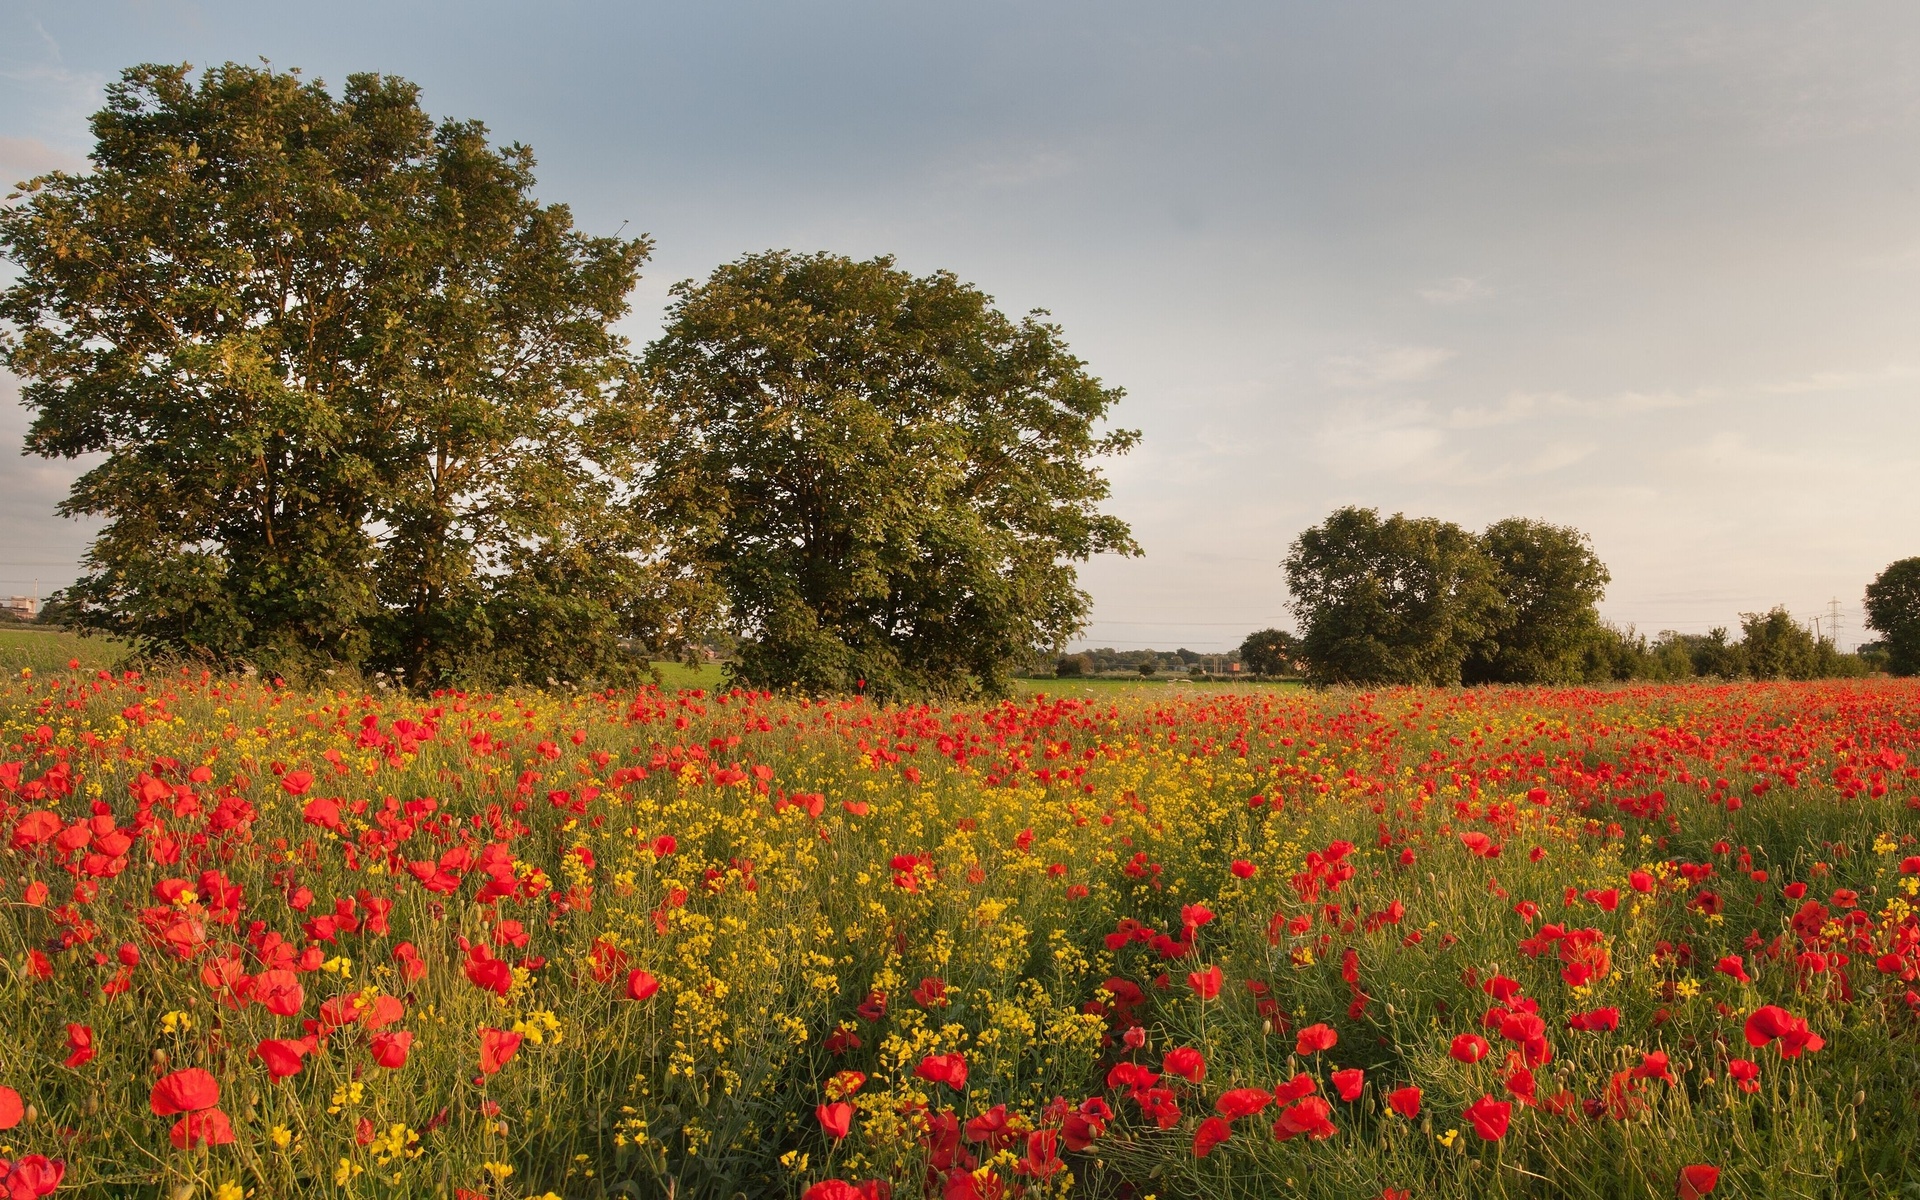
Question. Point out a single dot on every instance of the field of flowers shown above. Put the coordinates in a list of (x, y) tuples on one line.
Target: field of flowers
[(1651, 942)]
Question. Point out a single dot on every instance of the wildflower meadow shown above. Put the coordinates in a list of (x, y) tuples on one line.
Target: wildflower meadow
[(1651, 941)]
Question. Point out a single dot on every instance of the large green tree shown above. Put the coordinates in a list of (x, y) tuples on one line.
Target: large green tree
[(1270, 652), (890, 479), (1402, 600), (1550, 582), (354, 392), (1775, 646), (1893, 611)]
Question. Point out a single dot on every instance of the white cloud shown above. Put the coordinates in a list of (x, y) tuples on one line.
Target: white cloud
[(1458, 290), (1394, 364)]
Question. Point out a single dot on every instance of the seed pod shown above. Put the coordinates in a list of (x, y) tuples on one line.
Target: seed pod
[(32, 1115), (159, 1060)]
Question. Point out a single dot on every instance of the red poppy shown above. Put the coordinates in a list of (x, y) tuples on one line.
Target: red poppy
[(1293, 1089), (489, 973), (11, 1109), (1770, 1022), (191, 1090), (497, 1048), (1696, 1181), (641, 985), (1309, 1117), (1349, 1082), (1242, 869), (390, 1049), (1241, 1102), (1315, 1039), (1735, 966), (835, 1118), (1211, 1133), (950, 1069), (1187, 1063), (1745, 1073), (31, 1177), (1469, 1048), (79, 1045), (280, 992), (1405, 1101), (210, 1128), (1489, 1117), (282, 1055), (1206, 984)]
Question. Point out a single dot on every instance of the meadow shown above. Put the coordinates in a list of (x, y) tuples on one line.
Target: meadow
[(1165, 941)]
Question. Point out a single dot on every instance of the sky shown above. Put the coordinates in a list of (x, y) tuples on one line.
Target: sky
[(1645, 269)]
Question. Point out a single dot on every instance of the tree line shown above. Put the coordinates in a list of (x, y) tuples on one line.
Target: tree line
[(1416, 600), (353, 398)]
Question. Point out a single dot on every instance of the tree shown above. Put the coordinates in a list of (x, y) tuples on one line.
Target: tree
[(1404, 600), (1893, 611), (1270, 652), (889, 479), (1550, 582), (356, 392), (1775, 646)]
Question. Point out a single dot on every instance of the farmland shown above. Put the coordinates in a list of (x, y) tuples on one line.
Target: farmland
[(1171, 941)]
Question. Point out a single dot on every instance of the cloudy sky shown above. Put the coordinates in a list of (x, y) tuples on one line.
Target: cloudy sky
[(1648, 269)]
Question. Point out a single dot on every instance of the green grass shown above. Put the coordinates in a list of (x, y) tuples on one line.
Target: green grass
[(678, 675), (1158, 684), (43, 650)]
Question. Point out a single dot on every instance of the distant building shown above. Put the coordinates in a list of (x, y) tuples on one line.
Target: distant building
[(23, 607)]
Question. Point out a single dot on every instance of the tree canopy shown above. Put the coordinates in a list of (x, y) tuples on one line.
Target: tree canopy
[(1550, 584), (1893, 611), (1403, 600), (889, 479), (1270, 652), (355, 391)]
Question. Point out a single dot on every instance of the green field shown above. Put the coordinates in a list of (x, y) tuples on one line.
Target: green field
[(53, 649)]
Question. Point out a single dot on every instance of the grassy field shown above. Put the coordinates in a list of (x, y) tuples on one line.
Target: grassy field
[(1179, 941), (45, 650)]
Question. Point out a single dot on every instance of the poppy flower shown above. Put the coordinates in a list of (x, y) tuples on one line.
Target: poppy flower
[(1315, 1039), (280, 992), (191, 1090), (1745, 1073), (950, 1069), (1310, 1118), (79, 1045), (1187, 1063), (1696, 1181), (489, 973), (11, 1109), (641, 985), (1735, 967), (497, 1048), (208, 1128), (1293, 1089), (31, 1177), (835, 1118), (1489, 1117), (1206, 984), (390, 1049), (1241, 1102), (1654, 1065), (1211, 1133), (1405, 1101), (989, 1126), (282, 1055), (1771, 1023), (1469, 1048), (1242, 869), (1349, 1082)]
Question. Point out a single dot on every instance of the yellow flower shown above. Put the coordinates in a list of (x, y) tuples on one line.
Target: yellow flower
[(281, 1136), (229, 1191)]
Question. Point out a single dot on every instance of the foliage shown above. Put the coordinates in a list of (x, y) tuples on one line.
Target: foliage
[(1893, 611), (1270, 652), (355, 390), (1612, 939), (1775, 646), (888, 477), (1550, 583), (1404, 600)]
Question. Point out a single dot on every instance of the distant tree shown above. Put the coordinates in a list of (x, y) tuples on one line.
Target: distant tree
[(1147, 667), (355, 393), (1073, 666), (1270, 652), (1893, 611), (1401, 600), (889, 479), (1775, 646), (1550, 583)]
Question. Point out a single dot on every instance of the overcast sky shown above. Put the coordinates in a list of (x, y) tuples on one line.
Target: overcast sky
[(1648, 269)]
